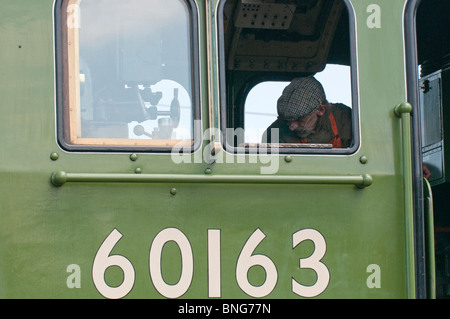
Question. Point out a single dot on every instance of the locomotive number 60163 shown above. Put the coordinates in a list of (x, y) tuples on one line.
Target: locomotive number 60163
[(246, 260)]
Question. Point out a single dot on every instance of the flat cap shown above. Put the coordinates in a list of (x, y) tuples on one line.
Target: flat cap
[(300, 98)]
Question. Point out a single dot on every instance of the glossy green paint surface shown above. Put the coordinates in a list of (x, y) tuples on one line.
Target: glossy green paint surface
[(44, 228)]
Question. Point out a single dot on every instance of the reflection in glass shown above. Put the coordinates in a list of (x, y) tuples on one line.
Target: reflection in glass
[(129, 71)]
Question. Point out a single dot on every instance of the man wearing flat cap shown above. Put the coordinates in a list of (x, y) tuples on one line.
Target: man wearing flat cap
[(305, 116)]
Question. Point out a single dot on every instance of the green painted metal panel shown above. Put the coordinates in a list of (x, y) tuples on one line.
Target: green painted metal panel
[(45, 229)]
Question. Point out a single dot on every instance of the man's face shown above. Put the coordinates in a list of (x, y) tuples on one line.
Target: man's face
[(305, 125)]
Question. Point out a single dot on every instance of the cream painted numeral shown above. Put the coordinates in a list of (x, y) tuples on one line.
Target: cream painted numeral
[(312, 262), (247, 260), (187, 259), (103, 261)]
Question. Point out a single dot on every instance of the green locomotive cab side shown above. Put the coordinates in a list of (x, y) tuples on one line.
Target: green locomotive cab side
[(136, 160)]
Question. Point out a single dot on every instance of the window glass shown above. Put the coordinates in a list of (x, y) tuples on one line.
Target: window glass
[(128, 74)]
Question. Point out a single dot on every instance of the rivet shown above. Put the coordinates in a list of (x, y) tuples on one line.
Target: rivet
[(133, 157), (363, 159), (138, 170), (54, 156), (288, 159), (173, 191), (208, 171)]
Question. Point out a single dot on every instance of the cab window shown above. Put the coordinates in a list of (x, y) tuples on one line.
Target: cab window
[(277, 56), (127, 74)]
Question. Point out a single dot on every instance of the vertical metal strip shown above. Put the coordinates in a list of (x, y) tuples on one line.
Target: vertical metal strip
[(212, 72), (410, 10), (403, 111), (431, 258)]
